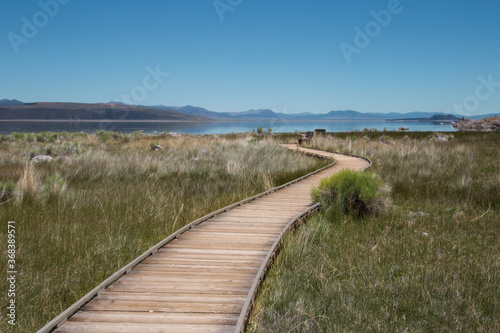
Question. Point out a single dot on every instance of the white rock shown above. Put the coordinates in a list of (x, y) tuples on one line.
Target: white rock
[(40, 158)]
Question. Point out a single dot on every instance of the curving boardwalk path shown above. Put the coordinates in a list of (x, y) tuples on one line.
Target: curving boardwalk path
[(200, 281)]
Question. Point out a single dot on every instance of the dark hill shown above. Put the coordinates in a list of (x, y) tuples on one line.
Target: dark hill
[(437, 118), (443, 117), (83, 111), (193, 110)]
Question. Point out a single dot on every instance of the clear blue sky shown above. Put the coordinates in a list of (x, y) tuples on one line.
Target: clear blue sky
[(284, 55)]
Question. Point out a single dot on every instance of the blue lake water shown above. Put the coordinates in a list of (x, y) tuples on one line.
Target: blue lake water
[(7, 127)]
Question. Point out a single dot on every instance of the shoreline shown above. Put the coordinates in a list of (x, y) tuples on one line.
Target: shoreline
[(211, 127)]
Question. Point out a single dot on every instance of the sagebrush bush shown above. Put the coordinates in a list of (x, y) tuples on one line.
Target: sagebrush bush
[(351, 192)]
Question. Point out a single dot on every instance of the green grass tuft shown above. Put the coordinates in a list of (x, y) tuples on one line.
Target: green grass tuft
[(350, 192)]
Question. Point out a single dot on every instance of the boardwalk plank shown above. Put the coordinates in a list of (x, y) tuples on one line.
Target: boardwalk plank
[(172, 296), (156, 318), (167, 307), (102, 327)]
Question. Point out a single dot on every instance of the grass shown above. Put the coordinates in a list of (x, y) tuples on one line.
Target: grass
[(351, 192), (430, 264), (104, 199)]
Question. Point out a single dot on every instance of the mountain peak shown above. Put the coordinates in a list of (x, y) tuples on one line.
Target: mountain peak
[(115, 103), (10, 102)]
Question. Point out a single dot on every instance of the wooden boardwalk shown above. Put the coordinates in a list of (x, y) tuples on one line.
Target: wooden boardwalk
[(201, 281)]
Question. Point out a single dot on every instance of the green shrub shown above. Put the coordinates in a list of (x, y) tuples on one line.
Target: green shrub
[(51, 136), (18, 136), (30, 137), (351, 192), (137, 134), (106, 135), (115, 135), (154, 145), (41, 138), (79, 135), (102, 135)]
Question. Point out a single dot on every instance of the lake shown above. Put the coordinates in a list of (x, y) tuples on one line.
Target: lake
[(7, 127)]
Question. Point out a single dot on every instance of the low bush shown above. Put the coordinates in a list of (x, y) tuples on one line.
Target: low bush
[(153, 145), (41, 138), (351, 192), (18, 136)]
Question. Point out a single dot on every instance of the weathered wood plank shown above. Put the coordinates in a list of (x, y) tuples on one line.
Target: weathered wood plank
[(100, 327), (220, 246), (187, 289), (167, 307), (156, 317), (173, 297), (166, 259)]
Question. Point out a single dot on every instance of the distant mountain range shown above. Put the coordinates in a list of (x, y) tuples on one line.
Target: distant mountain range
[(14, 109), (267, 114)]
